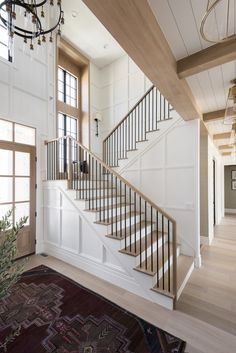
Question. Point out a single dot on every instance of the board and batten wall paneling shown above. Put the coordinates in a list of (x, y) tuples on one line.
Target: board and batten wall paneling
[(115, 89), (168, 173), (27, 88)]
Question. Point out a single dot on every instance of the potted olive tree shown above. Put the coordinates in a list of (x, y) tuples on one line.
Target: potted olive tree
[(10, 270)]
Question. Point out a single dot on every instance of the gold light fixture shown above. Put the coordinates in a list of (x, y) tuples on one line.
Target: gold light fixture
[(209, 29), (230, 110)]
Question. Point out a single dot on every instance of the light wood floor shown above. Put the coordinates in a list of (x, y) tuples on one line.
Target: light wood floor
[(210, 294), (200, 336)]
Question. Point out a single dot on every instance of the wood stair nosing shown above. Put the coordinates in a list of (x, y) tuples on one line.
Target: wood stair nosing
[(146, 266), (119, 218), (94, 188)]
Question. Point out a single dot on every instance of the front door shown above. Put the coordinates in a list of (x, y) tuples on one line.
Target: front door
[(17, 190)]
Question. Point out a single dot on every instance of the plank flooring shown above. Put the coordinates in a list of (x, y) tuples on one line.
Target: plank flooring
[(210, 294), (201, 337)]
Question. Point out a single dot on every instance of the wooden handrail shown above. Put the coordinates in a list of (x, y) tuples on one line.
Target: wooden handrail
[(112, 171), (130, 112)]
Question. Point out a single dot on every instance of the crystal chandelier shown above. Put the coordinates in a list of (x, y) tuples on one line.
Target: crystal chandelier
[(217, 24), (27, 19)]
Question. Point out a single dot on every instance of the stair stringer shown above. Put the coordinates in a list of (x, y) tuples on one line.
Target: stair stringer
[(122, 273)]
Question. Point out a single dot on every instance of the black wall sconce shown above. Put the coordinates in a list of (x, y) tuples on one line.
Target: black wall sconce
[(97, 118)]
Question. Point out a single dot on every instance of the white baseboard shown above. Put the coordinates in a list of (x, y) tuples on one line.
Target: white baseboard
[(205, 240), (106, 273), (230, 210)]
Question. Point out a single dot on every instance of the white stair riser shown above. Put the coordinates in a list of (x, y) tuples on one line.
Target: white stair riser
[(109, 200), (113, 212), (93, 193), (121, 224), (147, 253), (154, 278), (138, 233)]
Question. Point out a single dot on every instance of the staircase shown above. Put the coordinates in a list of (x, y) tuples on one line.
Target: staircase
[(145, 117), (144, 232)]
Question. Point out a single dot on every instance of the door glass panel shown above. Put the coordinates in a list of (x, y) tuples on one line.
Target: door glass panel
[(25, 135), (6, 129), (22, 164), (22, 189), (6, 162), (4, 209), (22, 210), (6, 189)]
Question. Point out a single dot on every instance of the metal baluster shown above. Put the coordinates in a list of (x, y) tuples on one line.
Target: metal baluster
[(146, 235), (151, 242), (96, 176), (125, 221), (163, 254), (130, 219), (112, 204), (168, 230), (100, 192), (157, 220), (121, 231), (135, 235), (140, 231), (116, 202)]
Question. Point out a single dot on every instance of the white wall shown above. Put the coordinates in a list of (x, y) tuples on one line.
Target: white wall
[(114, 91), (167, 171), (26, 96)]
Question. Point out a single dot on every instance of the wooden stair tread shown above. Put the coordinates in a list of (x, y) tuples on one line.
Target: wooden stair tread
[(110, 207), (121, 234), (146, 266), (103, 197), (184, 264), (130, 250), (118, 218), (98, 188)]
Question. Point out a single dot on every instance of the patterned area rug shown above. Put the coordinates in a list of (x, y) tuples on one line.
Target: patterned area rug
[(52, 314)]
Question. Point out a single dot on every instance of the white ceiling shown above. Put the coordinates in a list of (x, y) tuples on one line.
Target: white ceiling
[(180, 21), (88, 34)]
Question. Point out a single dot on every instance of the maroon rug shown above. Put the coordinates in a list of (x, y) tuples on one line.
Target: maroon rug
[(54, 314)]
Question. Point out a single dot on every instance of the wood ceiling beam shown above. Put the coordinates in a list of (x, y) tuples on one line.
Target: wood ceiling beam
[(226, 153), (225, 147), (216, 115), (208, 58), (221, 136), (133, 24)]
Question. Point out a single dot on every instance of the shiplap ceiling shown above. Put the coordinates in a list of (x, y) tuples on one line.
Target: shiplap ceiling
[(180, 22)]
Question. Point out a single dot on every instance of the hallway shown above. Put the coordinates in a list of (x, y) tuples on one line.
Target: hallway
[(210, 294)]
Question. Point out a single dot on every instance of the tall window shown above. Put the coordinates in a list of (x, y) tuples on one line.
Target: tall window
[(4, 44), (67, 87), (67, 125)]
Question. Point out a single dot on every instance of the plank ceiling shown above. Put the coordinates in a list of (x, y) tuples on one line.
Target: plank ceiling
[(180, 22)]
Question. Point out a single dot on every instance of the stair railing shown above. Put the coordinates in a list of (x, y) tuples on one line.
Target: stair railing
[(133, 128), (146, 230)]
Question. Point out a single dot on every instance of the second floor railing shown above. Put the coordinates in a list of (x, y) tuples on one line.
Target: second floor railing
[(143, 118)]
